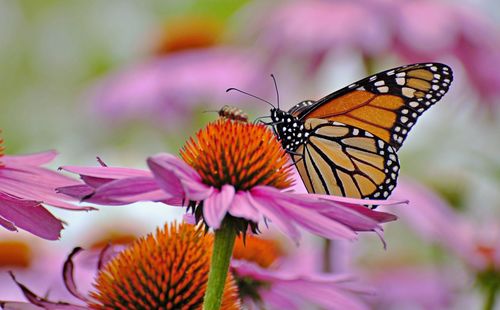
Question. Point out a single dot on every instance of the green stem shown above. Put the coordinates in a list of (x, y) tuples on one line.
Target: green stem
[(219, 265), (327, 257), (369, 64), (491, 294)]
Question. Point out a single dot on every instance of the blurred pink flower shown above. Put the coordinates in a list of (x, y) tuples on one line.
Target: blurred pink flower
[(416, 30), (272, 279), (422, 287), (38, 302), (431, 216), (289, 290), (24, 186), (33, 261), (168, 88)]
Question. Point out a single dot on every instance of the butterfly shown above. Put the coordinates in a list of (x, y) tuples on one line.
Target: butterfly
[(345, 144)]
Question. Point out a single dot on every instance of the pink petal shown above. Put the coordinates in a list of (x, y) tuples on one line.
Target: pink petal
[(31, 216), (177, 178), (7, 225), (129, 190), (39, 184), (275, 213), (14, 305), (43, 302), (304, 211), (215, 207), (378, 216), (69, 280), (107, 172), (242, 207), (357, 201), (35, 159), (316, 222), (327, 297), (76, 191)]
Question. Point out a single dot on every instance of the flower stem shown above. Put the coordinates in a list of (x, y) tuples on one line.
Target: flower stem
[(219, 265), (491, 294), (327, 256)]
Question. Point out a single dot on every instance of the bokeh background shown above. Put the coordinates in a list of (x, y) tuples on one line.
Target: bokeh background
[(127, 79)]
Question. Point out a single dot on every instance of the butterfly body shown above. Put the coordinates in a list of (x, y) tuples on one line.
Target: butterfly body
[(345, 143)]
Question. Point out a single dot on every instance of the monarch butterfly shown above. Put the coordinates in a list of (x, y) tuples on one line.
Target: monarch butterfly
[(345, 143)]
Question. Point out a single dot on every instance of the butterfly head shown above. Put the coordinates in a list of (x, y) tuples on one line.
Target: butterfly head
[(289, 129)]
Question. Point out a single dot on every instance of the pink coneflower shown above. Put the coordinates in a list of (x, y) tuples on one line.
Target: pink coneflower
[(477, 244), (234, 176), (265, 280), (239, 170), (167, 270), (24, 187), (235, 169), (434, 219), (175, 84)]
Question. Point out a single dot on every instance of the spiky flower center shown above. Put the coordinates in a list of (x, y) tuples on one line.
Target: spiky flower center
[(238, 153), (263, 252), (168, 270), (14, 254)]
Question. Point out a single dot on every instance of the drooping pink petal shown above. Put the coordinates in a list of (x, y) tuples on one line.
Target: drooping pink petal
[(304, 213), (130, 190), (30, 215), (107, 172), (76, 191), (7, 225), (43, 302), (177, 178), (216, 206), (34, 183), (316, 222), (69, 280), (275, 214), (35, 159), (242, 207), (15, 305), (289, 287)]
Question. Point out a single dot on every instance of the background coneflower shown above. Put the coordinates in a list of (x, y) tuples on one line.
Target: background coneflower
[(167, 270), (269, 279)]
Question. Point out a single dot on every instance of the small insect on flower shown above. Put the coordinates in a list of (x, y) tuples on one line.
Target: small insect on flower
[(233, 113)]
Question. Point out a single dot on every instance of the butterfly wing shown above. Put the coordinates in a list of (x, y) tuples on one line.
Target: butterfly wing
[(301, 107), (339, 159), (386, 104)]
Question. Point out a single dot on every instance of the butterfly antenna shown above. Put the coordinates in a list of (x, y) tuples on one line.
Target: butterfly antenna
[(277, 92), (248, 94)]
